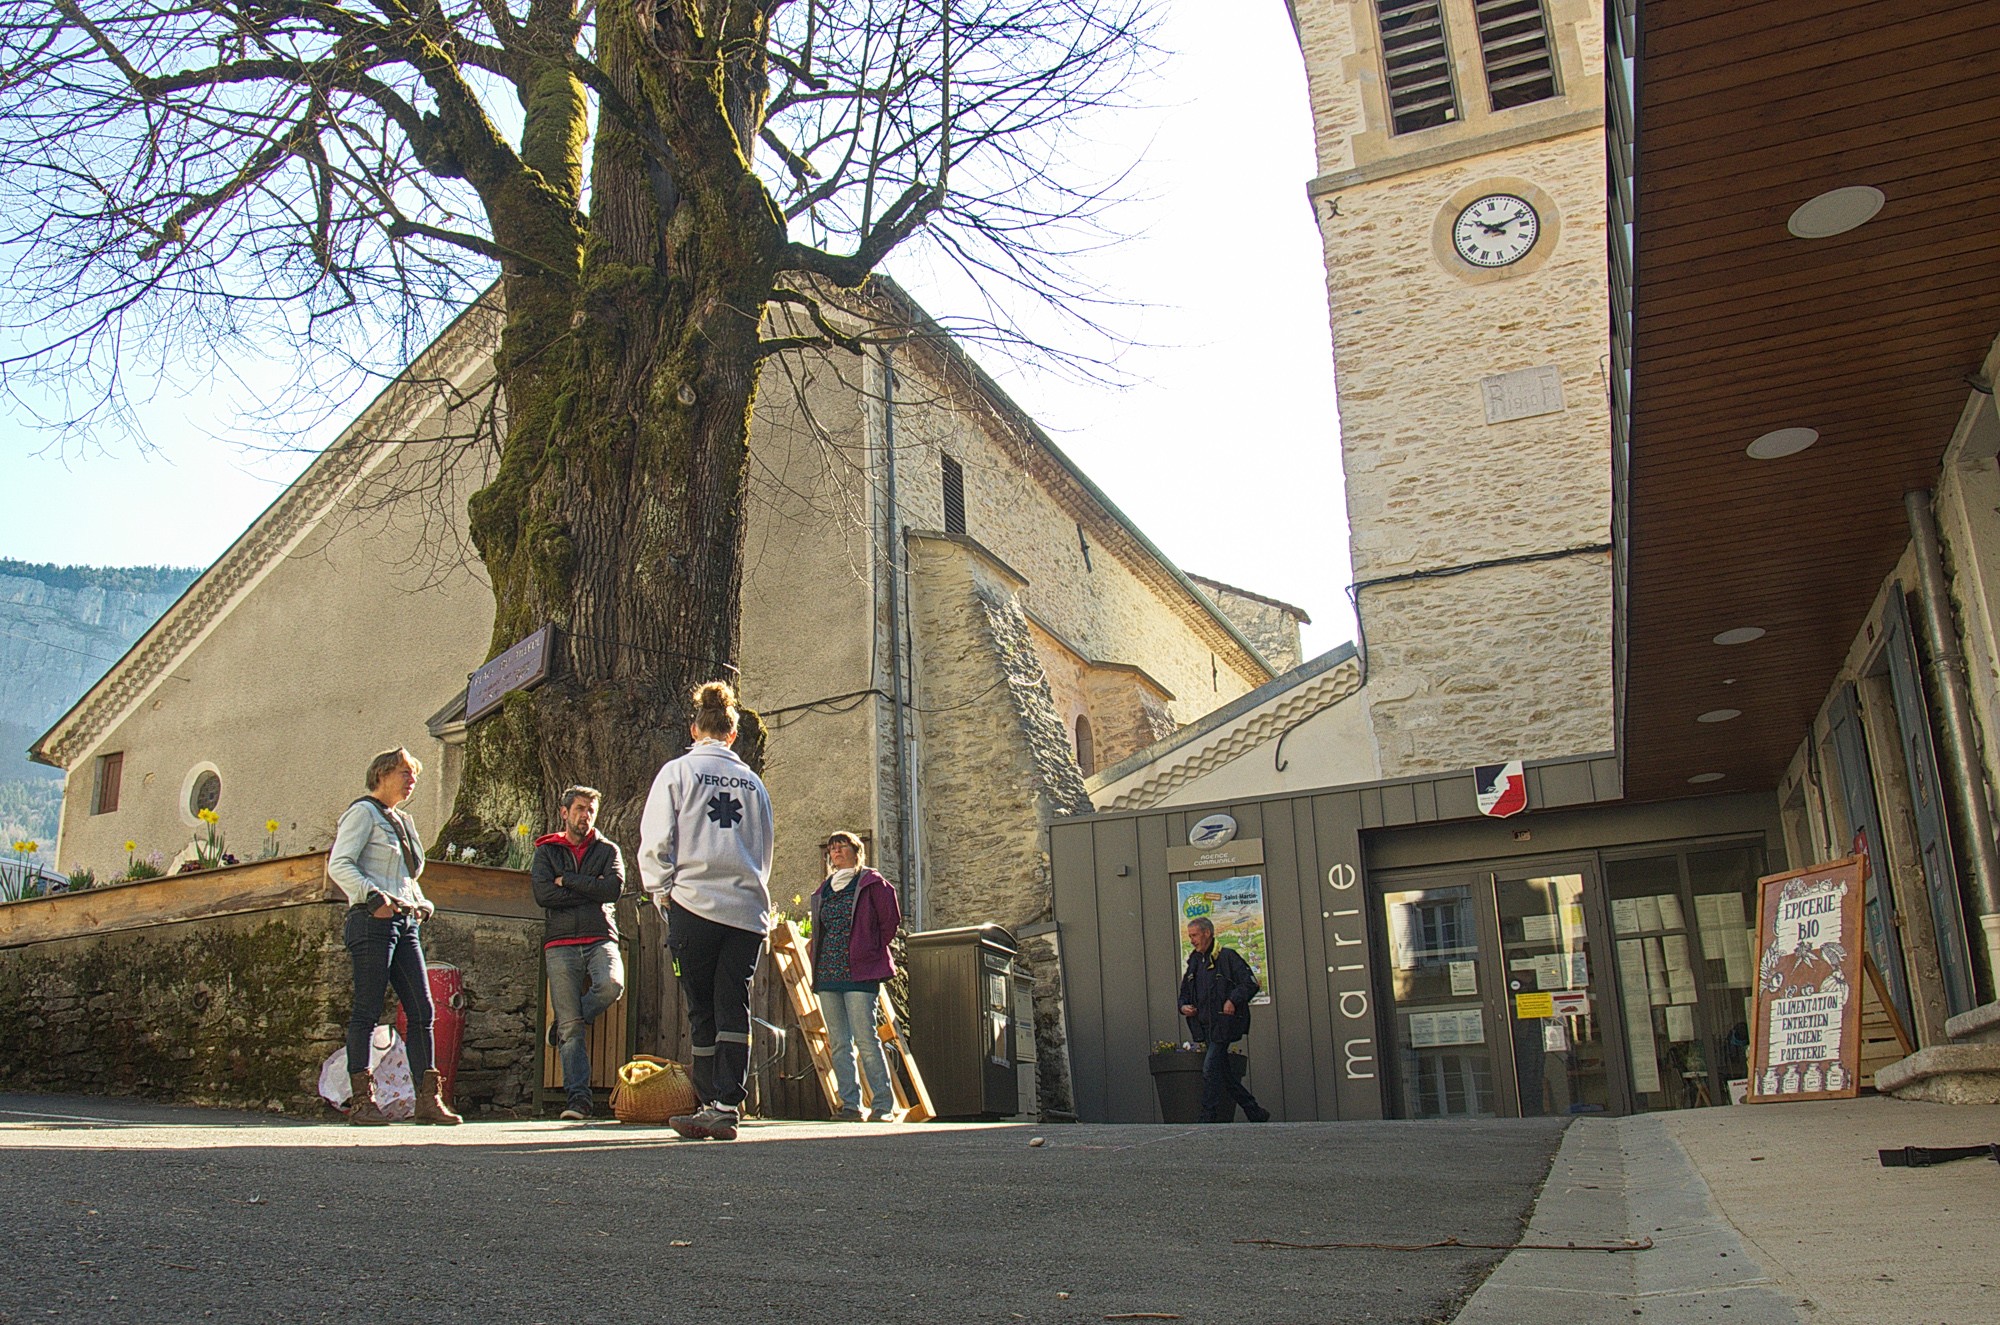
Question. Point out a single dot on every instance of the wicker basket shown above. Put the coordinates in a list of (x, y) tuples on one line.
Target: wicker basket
[(652, 1090)]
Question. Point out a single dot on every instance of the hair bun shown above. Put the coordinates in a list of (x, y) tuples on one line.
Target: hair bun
[(714, 697)]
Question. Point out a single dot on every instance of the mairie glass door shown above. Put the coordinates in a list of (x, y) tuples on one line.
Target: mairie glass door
[(1440, 986)]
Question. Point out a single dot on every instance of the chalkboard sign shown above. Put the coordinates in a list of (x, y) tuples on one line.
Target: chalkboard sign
[(1805, 1030)]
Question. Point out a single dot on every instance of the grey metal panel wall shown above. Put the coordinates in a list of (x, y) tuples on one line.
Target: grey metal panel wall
[(1160, 941), (1563, 784), (1314, 1052), (1312, 1049), (1122, 951), (1281, 1057), (1581, 829), (1339, 880), (1072, 861), (1325, 1099)]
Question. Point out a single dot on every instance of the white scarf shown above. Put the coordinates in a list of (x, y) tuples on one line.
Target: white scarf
[(839, 880)]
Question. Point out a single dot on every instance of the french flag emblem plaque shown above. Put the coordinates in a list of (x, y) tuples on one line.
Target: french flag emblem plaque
[(1501, 789)]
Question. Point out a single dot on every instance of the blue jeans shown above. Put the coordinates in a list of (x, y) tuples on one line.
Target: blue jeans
[(387, 952), (850, 1030), (569, 965)]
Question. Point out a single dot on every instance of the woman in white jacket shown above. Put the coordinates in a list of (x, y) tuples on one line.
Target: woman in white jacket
[(705, 860), (376, 858)]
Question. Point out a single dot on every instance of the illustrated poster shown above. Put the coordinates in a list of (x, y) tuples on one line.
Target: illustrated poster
[(1236, 908), (1805, 1041)]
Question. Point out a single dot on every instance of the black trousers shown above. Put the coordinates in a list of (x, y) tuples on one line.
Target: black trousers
[(1218, 1078), (715, 964)]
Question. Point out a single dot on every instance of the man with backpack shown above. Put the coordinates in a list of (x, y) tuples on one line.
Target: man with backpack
[(1216, 990)]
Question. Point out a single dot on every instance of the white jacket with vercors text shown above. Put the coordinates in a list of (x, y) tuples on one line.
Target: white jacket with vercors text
[(705, 838)]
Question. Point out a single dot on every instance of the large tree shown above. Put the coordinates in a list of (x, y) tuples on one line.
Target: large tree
[(668, 193)]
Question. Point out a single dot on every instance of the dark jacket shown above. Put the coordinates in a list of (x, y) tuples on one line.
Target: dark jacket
[(584, 904), (1210, 981), (877, 914)]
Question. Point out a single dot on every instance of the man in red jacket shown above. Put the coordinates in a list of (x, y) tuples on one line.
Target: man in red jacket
[(577, 877)]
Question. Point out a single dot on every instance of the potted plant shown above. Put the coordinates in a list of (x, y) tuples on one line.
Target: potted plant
[(1176, 1072)]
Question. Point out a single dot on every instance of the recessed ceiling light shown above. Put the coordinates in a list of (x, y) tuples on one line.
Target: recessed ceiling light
[(1707, 777), (1740, 635), (1720, 715), (1785, 441), (1836, 212)]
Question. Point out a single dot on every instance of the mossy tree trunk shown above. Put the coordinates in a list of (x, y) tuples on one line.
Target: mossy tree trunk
[(628, 366)]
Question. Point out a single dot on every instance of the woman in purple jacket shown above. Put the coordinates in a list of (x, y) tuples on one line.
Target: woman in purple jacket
[(854, 915)]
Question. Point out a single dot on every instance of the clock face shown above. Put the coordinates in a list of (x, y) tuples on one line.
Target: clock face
[(1496, 230)]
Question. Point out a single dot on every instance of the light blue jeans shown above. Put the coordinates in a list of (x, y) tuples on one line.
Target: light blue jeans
[(574, 1010), (850, 1029)]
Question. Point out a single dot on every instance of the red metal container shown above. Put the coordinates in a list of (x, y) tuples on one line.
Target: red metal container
[(447, 1025)]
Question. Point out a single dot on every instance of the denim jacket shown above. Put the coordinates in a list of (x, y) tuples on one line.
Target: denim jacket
[(367, 858)]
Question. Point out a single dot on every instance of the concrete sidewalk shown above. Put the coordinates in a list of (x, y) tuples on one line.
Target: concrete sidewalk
[(1761, 1215)]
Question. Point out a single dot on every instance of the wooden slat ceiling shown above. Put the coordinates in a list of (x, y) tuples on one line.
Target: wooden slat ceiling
[(1748, 108)]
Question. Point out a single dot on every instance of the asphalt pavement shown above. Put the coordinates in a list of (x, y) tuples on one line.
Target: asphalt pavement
[(119, 1211), (126, 1212)]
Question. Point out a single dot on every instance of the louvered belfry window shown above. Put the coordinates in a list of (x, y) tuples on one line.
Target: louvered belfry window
[(1418, 64), (954, 496), (1514, 42)]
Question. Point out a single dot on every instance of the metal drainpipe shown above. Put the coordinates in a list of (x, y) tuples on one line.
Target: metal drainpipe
[(893, 549), (1961, 742)]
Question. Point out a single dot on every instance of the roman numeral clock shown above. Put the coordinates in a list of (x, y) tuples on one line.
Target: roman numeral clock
[(1496, 230)]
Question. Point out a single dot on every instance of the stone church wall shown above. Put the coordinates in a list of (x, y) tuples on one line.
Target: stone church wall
[(1098, 602)]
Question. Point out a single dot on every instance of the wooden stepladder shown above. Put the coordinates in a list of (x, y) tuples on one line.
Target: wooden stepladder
[(913, 1102)]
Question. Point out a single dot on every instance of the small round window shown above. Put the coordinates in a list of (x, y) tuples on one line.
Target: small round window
[(206, 792)]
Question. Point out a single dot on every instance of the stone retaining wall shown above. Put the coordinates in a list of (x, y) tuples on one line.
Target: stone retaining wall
[(240, 1010)]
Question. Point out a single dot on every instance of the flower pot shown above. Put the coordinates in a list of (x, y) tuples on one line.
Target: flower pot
[(1177, 1078)]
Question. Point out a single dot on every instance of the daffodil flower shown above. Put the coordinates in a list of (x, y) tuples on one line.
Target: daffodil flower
[(130, 846), (270, 825)]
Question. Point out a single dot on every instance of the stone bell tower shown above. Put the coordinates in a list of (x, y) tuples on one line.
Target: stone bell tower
[(1461, 199)]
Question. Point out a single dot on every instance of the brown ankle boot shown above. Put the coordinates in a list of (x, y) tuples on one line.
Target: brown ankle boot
[(431, 1107), (361, 1110)]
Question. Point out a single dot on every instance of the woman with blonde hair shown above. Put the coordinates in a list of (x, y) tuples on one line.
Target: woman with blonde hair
[(705, 860), (376, 858)]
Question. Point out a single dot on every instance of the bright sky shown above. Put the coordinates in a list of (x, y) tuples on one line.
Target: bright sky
[(1224, 450)]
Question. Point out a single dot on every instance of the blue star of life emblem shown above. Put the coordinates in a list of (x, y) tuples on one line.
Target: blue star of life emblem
[(724, 810)]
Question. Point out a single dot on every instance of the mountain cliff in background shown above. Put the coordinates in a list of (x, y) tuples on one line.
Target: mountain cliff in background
[(61, 627)]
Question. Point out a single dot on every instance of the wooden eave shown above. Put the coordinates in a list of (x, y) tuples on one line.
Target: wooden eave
[(1746, 109)]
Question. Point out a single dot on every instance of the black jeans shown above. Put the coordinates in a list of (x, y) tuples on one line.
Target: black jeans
[(387, 952), (715, 963)]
